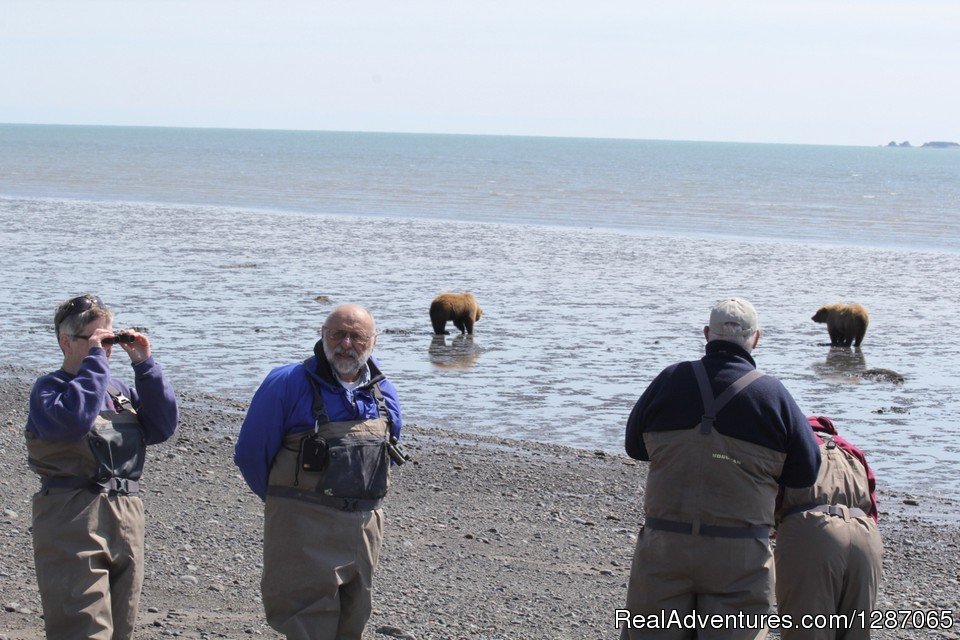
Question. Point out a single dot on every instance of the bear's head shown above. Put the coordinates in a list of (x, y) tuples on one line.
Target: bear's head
[(821, 315)]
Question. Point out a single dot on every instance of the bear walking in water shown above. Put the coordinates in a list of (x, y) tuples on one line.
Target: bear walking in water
[(462, 308), (846, 323)]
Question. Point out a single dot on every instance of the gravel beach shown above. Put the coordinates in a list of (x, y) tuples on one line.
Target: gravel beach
[(485, 537)]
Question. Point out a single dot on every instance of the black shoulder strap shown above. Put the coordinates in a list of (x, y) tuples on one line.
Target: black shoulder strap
[(711, 405), (382, 405), (319, 408), (120, 401)]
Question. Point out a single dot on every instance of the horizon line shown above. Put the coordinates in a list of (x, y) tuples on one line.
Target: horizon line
[(448, 133)]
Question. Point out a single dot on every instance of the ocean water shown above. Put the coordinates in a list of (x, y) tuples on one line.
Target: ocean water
[(596, 262)]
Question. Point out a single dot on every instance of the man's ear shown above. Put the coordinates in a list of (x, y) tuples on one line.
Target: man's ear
[(756, 339), (706, 332)]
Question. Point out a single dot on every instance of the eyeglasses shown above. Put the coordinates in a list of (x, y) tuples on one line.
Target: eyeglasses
[(359, 339), (76, 306)]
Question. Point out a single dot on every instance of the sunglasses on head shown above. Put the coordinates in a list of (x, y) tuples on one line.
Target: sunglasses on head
[(78, 305)]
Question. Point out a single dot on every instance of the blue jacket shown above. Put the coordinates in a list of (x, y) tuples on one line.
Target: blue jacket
[(764, 413), (284, 404), (64, 406)]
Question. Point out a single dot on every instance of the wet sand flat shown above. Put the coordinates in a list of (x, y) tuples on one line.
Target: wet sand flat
[(576, 322)]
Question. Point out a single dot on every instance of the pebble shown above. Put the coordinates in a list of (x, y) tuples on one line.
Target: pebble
[(10, 513), (395, 632), (190, 579)]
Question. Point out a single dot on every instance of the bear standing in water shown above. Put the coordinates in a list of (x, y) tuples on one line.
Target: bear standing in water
[(462, 308), (846, 323)]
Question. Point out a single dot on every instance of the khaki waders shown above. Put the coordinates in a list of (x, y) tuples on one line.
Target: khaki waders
[(704, 546), (88, 528), (323, 528), (829, 553)]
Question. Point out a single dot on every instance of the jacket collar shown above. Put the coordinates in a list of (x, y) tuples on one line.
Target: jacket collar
[(723, 347), (320, 368)]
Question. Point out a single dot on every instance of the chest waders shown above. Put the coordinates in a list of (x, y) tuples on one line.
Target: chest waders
[(88, 526), (841, 487), (704, 546), (343, 464), (702, 482), (829, 553), (323, 526), (108, 459)]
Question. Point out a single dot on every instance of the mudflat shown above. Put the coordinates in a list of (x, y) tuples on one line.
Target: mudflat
[(485, 537)]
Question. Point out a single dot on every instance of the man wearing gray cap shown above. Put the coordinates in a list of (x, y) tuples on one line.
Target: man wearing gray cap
[(720, 436)]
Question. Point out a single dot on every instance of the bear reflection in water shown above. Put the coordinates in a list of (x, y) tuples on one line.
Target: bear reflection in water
[(848, 363), (461, 353), (846, 360), (842, 363)]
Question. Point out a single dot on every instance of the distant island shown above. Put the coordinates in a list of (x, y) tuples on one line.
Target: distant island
[(928, 145)]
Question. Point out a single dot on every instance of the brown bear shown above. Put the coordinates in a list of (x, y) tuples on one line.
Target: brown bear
[(462, 308), (846, 323)]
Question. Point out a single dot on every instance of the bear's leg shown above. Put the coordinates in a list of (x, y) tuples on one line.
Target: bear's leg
[(458, 323), (860, 334), (439, 326), (468, 323), (834, 335)]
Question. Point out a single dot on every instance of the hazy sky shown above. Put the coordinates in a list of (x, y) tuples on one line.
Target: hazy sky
[(811, 71)]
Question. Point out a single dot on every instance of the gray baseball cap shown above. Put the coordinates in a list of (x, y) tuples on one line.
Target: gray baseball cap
[(733, 317)]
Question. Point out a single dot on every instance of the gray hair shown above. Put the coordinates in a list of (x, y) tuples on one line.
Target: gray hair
[(68, 322), (746, 342)]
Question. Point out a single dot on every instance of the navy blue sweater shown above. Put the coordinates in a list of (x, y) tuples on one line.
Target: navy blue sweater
[(764, 413)]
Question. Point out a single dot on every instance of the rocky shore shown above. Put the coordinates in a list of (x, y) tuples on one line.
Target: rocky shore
[(485, 538)]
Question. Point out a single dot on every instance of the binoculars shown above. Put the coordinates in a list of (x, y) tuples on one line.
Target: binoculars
[(396, 452), (125, 338)]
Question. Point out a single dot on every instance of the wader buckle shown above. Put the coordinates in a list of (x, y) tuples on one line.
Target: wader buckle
[(119, 486)]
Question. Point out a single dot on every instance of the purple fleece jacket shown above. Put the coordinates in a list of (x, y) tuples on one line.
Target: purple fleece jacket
[(64, 406)]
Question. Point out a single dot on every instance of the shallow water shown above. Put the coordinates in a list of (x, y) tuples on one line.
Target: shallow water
[(576, 322)]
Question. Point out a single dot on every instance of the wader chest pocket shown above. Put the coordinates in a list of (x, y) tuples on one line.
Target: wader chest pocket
[(355, 470), (119, 451)]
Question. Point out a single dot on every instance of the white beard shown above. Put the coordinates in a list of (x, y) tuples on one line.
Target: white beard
[(348, 369)]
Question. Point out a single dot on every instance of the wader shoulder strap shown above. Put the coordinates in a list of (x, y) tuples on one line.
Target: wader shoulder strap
[(120, 401), (711, 405), (319, 408), (382, 406)]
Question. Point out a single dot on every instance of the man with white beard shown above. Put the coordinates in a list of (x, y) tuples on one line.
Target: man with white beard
[(316, 446)]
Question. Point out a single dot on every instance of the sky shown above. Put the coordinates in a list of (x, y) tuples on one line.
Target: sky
[(847, 72)]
